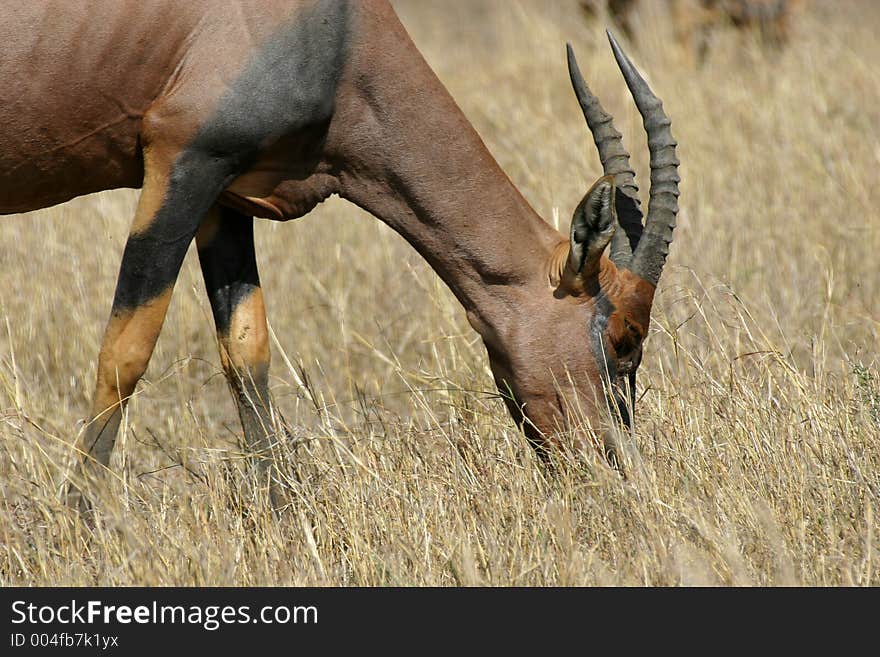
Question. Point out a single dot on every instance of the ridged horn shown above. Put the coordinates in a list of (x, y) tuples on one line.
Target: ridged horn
[(615, 162), (650, 254)]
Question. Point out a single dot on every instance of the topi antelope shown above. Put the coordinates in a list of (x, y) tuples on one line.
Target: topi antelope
[(266, 110), (696, 21)]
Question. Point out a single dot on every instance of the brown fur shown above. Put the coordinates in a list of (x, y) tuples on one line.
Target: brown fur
[(396, 145)]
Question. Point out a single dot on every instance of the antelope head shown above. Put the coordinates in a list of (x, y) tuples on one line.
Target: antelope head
[(602, 279)]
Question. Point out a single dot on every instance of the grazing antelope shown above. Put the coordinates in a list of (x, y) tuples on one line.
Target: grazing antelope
[(264, 108), (695, 21)]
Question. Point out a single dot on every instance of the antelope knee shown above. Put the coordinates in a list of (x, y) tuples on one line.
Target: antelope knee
[(120, 367)]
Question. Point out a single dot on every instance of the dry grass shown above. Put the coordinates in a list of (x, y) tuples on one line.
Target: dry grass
[(756, 454)]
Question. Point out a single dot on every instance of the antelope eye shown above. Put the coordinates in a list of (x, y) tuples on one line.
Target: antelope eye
[(627, 341)]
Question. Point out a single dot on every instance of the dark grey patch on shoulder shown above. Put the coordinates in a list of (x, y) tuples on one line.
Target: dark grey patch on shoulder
[(289, 85)]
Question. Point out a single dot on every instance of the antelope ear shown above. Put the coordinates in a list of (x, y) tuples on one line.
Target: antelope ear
[(592, 226)]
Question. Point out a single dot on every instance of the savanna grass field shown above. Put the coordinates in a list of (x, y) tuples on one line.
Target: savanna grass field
[(755, 453)]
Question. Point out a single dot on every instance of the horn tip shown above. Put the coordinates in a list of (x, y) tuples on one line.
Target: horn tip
[(574, 70), (613, 41), (615, 47)]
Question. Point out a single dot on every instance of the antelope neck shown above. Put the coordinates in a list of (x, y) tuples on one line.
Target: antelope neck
[(412, 159)]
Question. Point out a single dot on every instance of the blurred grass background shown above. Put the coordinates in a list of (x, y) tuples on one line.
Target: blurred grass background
[(756, 449)]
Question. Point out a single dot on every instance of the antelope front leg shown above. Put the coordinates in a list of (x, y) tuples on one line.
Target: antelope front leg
[(226, 251), (172, 203)]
